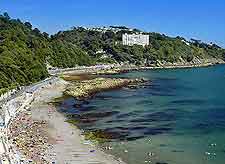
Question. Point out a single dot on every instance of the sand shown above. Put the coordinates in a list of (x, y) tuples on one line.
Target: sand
[(67, 143)]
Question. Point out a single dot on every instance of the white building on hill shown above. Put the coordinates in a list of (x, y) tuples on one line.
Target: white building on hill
[(139, 39)]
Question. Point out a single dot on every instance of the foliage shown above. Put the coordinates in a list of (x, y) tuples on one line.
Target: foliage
[(22, 53), (67, 55), (25, 51), (161, 48)]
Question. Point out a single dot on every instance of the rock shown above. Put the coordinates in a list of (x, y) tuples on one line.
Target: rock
[(83, 89), (92, 151), (151, 154)]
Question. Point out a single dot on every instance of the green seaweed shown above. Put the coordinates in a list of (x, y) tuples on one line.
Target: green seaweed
[(100, 136), (72, 121), (95, 136), (58, 100)]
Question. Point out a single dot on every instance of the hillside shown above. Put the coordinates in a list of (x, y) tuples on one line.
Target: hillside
[(22, 53), (25, 52), (106, 44)]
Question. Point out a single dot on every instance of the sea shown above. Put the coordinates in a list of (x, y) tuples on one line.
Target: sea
[(177, 117)]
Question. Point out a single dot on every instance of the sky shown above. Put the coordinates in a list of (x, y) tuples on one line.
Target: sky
[(199, 19)]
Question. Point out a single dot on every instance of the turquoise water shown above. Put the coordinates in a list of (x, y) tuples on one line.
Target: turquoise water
[(177, 118)]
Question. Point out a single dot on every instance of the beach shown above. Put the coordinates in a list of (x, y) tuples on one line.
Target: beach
[(36, 132), (177, 118), (68, 144), (40, 134)]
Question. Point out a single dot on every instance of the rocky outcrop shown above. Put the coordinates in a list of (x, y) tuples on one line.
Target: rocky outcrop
[(82, 89)]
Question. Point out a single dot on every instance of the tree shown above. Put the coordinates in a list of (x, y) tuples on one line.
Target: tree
[(45, 34), (6, 15), (136, 30), (36, 31), (28, 25), (223, 56)]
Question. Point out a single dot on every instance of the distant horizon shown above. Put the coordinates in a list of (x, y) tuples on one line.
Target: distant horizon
[(203, 20)]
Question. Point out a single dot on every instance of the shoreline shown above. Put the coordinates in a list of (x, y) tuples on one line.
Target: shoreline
[(64, 143), (108, 69), (11, 108), (27, 100), (85, 88)]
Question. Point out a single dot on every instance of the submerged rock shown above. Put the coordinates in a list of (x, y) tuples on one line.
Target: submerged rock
[(104, 135)]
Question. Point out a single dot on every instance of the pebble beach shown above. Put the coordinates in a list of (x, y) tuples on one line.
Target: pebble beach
[(40, 134)]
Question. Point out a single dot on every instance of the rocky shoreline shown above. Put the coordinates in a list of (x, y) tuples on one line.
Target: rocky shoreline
[(14, 110), (30, 137), (84, 89), (111, 69), (40, 134), (35, 129)]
